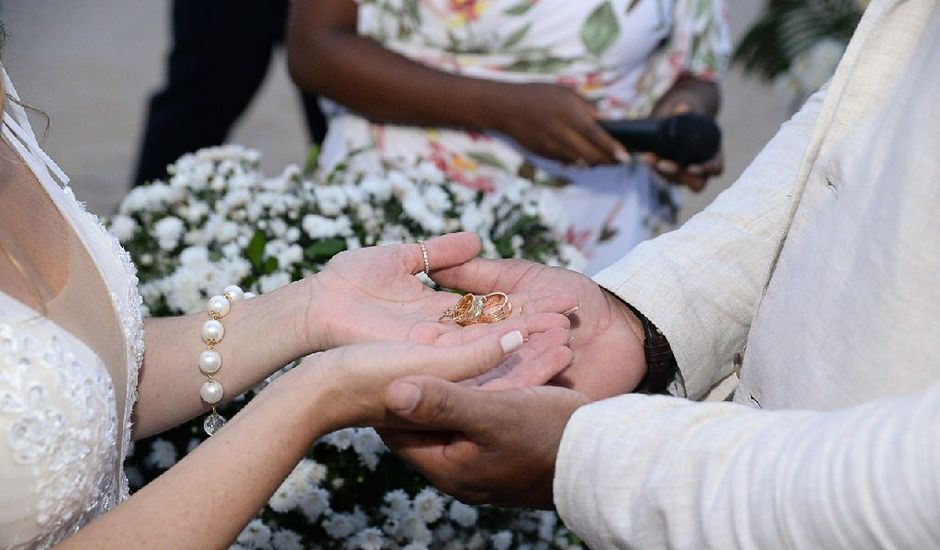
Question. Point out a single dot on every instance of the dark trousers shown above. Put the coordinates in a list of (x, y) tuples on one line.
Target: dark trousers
[(219, 58)]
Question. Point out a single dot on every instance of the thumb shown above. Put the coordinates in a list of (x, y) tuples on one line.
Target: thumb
[(435, 404)]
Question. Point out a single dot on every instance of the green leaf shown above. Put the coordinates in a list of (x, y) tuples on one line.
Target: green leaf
[(539, 65), (255, 249), (516, 36), (270, 266), (327, 248), (519, 8), (413, 11), (600, 29), (486, 158), (313, 159)]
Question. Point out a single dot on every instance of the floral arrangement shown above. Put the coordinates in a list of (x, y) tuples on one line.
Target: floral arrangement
[(798, 43), (218, 220)]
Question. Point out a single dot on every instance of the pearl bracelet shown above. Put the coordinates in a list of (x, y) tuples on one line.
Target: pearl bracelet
[(210, 361)]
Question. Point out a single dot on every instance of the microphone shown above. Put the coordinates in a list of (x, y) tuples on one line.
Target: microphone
[(685, 139)]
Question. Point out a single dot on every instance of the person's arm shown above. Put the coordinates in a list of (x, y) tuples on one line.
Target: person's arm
[(207, 498), (657, 472), (327, 56), (368, 294), (641, 471), (700, 284)]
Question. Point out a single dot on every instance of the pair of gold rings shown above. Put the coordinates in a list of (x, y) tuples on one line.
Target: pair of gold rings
[(472, 309)]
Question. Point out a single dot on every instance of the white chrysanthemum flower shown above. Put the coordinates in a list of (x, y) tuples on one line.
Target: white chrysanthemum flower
[(273, 281), (341, 439), (501, 540), (309, 472), (123, 227), (339, 526), (377, 187), (398, 504), (415, 546), (286, 497), (168, 232), (368, 445), (315, 503), (368, 539), (162, 454), (444, 532), (255, 535), (476, 542), (547, 523), (285, 539), (429, 505), (462, 514), (331, 199), (414, 529)]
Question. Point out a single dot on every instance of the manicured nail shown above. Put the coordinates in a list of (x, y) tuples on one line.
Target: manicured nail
[(572, 311), (694, 169), (511, 341), (667, 166), (402, 397), (622, 156)]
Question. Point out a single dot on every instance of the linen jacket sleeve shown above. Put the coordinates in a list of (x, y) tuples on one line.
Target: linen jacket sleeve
[(700, 284), (655, 472)]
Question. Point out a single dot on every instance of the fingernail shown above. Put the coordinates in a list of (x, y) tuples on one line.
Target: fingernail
[(511, 341), (667, 166), (403, 397), (622, 156), (694, 169), (572, 311)]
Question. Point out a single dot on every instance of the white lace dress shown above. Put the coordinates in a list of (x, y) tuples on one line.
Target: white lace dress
[(64, 410)]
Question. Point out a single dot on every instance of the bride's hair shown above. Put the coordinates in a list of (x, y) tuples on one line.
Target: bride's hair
[(3, 249)]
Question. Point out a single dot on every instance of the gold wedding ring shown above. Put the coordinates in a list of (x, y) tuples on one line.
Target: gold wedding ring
[(425, 257), (471, 309), (496, 307)]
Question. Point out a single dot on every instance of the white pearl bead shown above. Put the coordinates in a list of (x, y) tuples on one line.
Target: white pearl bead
[(211, 392), (219, 306), (249, 295), (212, 330), (233, 292), (210, 362)]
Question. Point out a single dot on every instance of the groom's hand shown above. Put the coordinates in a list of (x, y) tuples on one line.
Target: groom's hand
[(606, 338), (499, 447)]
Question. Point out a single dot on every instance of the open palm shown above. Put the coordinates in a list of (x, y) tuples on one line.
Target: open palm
[(605, 337), (372, 294)]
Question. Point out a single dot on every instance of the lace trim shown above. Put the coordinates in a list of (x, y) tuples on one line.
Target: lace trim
[(68, 449), (132, 323)]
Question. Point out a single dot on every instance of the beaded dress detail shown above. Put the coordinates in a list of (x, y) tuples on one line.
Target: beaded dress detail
[(64, 410)]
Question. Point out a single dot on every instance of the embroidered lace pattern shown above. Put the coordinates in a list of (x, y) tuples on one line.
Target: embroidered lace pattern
[(62, 429), (129, 306)]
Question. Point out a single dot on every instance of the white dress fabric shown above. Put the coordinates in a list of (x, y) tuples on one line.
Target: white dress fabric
[(823, 259), (64, 414)]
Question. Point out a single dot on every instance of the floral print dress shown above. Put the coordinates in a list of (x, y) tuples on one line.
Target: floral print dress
[(622, 55)]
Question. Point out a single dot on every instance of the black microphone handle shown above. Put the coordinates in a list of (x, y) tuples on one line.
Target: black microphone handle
[(641, 135)]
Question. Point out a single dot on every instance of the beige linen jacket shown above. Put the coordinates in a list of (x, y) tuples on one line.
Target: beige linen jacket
[(823, 260)]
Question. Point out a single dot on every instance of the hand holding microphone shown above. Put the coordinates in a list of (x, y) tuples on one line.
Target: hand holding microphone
[(684, 139), (684, 148)]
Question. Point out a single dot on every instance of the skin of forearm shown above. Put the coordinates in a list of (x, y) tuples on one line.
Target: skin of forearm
[(206, 499), (261, 335), (385, 86)]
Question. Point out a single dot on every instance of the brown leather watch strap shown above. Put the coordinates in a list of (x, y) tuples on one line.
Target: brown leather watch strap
[(661, 365)]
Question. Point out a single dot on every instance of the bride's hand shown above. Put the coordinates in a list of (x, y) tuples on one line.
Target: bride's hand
[(372, 294), (352, 380)]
